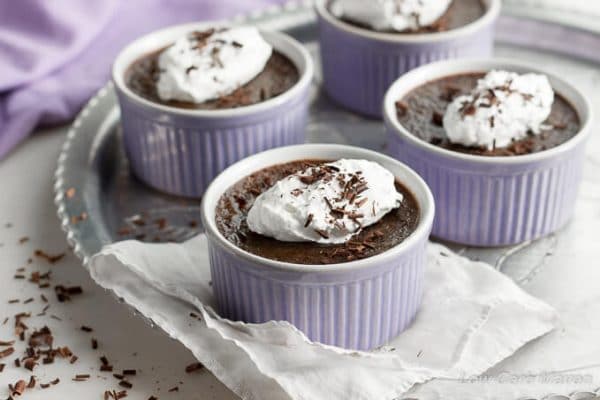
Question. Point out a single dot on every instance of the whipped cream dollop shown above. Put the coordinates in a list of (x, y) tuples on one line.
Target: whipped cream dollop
[(328, 203), (397, 15), (504, 107), (206, 65)]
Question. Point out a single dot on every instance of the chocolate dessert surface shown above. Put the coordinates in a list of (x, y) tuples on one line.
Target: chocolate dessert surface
[(278, 76), (233, 206), (459, 13), (421, 112)]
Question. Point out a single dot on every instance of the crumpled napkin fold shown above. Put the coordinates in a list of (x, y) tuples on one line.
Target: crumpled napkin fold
[(472, 317)]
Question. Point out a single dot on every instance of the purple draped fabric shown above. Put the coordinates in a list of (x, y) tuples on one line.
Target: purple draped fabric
[(55, 54)]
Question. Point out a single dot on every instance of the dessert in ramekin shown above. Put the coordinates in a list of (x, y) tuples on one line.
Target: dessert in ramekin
[(500, 144), (346, 269), (365, 46), (195, 99)]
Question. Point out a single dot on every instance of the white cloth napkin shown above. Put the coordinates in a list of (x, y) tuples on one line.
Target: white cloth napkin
[(472, 317)]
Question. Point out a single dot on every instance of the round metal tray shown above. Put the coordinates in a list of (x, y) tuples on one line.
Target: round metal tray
[(100, 202)]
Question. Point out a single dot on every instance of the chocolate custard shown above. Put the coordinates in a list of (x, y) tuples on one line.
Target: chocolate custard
[(234, 204), (278, 76), (458, 14), (421, 112)]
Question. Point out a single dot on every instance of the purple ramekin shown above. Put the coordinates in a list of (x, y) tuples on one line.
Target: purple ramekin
[(492, 201), (179, 151), (359, 64), (358, 305)]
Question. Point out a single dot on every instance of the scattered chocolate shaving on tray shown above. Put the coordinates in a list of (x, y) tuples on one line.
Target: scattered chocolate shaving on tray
[(174, 389), (75, 219), (31, 383), (64, 293), (94, 344), (152, 398), (7, 342), (19, 276), (29, 300), (24, 239), (51, 258), (17, 363), (129, 372), (73, 359), (86, 328), (13, 301), (44, 385), (2, 367), (194, 367)]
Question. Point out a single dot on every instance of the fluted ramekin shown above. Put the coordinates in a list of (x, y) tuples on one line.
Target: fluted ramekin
[(179, 151), (359, 305), (359, 64), (492, 201)]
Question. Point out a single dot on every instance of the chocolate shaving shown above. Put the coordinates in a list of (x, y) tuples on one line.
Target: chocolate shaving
[(19, 388), (437, 119), (322, 233), (125, 384), (401, 108), (7, 352), (193, 367), (52, 259), (308, 220), (31, 383)]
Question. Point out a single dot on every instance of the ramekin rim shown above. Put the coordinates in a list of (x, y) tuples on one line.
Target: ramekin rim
[(304, 81), (420, 233), (491, 14), (482, 65)]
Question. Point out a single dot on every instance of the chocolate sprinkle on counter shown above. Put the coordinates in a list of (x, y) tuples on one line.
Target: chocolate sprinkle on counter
[(52, 259), (7, 352), (125, 384)]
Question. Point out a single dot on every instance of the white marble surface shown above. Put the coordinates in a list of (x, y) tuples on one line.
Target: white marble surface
[(564, 270), (26, 201)]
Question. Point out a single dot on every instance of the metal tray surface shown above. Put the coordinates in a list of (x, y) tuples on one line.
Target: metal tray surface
[(100, 202)]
